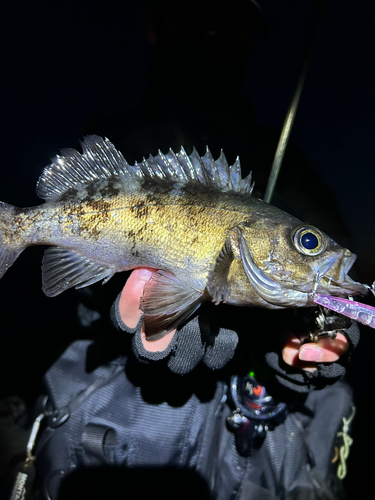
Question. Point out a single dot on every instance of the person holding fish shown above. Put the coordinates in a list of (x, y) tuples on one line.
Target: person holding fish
[(294, 353), (196, 238)]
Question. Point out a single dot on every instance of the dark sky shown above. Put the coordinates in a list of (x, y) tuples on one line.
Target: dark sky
[(64, 62)]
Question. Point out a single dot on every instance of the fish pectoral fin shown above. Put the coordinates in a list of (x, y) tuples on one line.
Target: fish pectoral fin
[(167, 302), (217, 285), (63, 269)]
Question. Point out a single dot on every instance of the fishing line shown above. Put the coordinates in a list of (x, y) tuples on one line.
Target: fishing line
[(288, 122)]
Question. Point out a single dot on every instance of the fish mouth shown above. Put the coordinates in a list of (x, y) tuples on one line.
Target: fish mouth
[(335, 280)]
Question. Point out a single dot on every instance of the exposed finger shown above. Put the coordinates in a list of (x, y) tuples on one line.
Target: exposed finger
[(131, 294), (159, 344), (290, 353), (325, 351), (305, 356)]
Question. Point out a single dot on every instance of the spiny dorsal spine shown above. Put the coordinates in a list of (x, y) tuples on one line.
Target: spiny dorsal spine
[(101, 160)]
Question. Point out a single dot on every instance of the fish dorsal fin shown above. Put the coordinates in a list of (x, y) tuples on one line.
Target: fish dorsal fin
[(101, 160)]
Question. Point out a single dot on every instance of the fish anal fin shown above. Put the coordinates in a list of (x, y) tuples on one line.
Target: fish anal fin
[(217, 285), (63, 269), (167, 302)]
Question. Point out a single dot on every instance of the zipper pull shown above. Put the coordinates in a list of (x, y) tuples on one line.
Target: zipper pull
[(26, 473)]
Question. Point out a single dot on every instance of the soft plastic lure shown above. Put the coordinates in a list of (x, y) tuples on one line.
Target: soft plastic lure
[(355, 310)]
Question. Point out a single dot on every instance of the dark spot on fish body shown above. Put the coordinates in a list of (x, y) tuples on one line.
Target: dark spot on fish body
[(91, 192), (70, 195), (88, 217), (156, 187), (94, 224), (132, 237), (196, 189), (140, 210), (194, 216), (140, 233), (198, 210), (91, 227), (23, 225), (110, 189), (136, 236), (195, 239), (99, 206)]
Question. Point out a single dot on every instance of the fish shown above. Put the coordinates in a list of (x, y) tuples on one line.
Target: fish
[(194, 219)]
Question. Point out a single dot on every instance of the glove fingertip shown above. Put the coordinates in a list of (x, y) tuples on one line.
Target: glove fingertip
[(189, 349), (219, 354), (144, 355)]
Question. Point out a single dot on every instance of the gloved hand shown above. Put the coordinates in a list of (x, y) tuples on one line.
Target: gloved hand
[(183, 348), (316, 364)]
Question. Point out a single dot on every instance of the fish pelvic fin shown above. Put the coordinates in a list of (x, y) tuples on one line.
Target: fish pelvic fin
[(166, 303), (63, 269), (101, 160), (10, 249)]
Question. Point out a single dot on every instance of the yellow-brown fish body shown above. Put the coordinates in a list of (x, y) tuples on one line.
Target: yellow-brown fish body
[(190, 217), (144, 222)]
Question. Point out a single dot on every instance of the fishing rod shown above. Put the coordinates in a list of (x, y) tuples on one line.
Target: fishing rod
[(289, 120)]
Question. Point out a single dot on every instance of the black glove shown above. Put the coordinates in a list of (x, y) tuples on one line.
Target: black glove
[(190, 344)]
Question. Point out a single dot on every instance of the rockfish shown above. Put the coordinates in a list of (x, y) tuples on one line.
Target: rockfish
[(191, 217)]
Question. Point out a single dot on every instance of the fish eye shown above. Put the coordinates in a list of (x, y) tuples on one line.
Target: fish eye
[(309, 241)]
